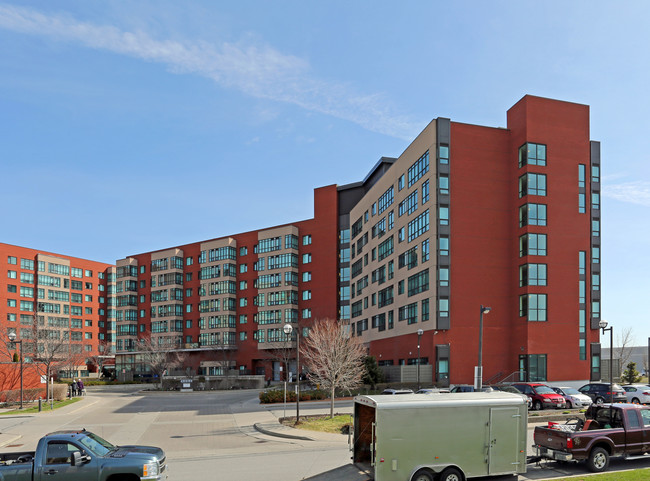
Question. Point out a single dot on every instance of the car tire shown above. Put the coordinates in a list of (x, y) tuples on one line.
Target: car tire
[(636, 401), (537, 405), (423, 475), (451, 474), (569, 405), (598, 460), (599, 400)]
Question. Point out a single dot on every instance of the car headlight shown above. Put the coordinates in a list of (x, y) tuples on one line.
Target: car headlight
[(150, 469)]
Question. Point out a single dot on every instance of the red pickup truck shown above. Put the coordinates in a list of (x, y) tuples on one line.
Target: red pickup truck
[(608, 430)]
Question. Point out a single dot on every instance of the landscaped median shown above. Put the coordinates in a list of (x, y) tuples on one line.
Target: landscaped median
[(632, 475), (46, 406)]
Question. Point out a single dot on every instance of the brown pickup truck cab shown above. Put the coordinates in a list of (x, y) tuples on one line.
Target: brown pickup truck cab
[(608, 430)]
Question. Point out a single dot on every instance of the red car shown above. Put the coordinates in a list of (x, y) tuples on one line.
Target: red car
[(542, 396)]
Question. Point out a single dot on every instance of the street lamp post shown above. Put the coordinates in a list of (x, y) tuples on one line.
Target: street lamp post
[(420, 332), (478, 375), (288, 328), (603, 327), (12, 338)]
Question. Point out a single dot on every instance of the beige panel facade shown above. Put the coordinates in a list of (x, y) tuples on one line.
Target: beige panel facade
[(379, 264)]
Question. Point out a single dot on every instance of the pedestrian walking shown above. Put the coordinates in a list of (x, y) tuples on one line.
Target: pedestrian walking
[(80, 386), (75, 388)]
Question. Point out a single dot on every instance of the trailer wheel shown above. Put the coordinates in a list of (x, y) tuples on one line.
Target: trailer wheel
[(598, 460), (423, 475), (451, 474)]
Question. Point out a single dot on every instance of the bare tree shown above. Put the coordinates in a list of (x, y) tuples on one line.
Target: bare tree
[(625, 341), (159, 357), (333, 358), (50, 351)]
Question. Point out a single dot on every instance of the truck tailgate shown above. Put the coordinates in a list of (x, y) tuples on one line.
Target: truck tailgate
[(551, 438)]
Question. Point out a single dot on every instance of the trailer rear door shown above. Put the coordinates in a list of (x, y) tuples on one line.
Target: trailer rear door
[(503, 447)]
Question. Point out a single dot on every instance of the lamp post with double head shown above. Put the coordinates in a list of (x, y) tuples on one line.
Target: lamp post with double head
[(603, 327), (478, 381), (12, 339), (420, 332), (288, 329)]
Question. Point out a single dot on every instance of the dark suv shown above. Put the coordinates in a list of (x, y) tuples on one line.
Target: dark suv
[(599, 392)]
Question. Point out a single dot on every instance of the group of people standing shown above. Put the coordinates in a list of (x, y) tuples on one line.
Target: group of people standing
[(76, 388)]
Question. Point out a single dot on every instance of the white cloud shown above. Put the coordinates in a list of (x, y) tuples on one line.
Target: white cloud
[(258, 71), (635, 192)]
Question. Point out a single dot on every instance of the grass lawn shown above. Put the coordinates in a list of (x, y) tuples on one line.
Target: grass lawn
[(635, 475), (320, 423), (46, 407)]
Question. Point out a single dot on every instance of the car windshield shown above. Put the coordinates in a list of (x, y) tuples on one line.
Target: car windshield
[(96, 445), (544, 390), (570, 391)]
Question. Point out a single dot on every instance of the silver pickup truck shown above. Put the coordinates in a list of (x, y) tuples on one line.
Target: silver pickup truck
[(83, 456)]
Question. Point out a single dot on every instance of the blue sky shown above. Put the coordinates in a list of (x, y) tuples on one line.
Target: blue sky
[(129, 126)]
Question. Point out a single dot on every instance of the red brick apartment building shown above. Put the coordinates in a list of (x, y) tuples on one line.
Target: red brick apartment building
[(56, 305), (467, 216)]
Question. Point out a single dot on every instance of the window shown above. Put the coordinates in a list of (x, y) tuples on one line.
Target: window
[(532, 275), (532, 245), (386, 200), (532, 214), (581, 203), (443, 186), (443, 276), (443, 154), (391, 220), (344, 256), (425, 250), (400, 182), (595, 201), (418, 226), (443, 246), (533, 306), (595, 255), (595, 282), (11, 302), (400, 237), (11, 288), (408, 205), (408, 313), (243, 268), (443, 215), (532, 184), (418, 283), (595, 227), (581, 175), (306, 295), (306, 259), (443, 307), (12, 260), (582, 262), (595, 173), (532, 154), (11, 274), (27, 264), (418, 169)]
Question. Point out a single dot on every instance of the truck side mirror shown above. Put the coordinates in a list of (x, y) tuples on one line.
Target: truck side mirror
[(78, 459)]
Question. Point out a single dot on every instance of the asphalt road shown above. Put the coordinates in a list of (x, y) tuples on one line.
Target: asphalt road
[(210, 436)]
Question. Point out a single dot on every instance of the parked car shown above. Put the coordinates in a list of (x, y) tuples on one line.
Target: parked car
[(469, 388), (637, 393), (599, 392), (429, 390), (542, 396), (573, 397), (514, 390), (397, 391)]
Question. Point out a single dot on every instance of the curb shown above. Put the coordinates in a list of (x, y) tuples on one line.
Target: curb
[(268, 432)]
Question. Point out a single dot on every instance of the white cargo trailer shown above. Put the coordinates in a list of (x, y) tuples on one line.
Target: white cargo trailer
[(440, 436)]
